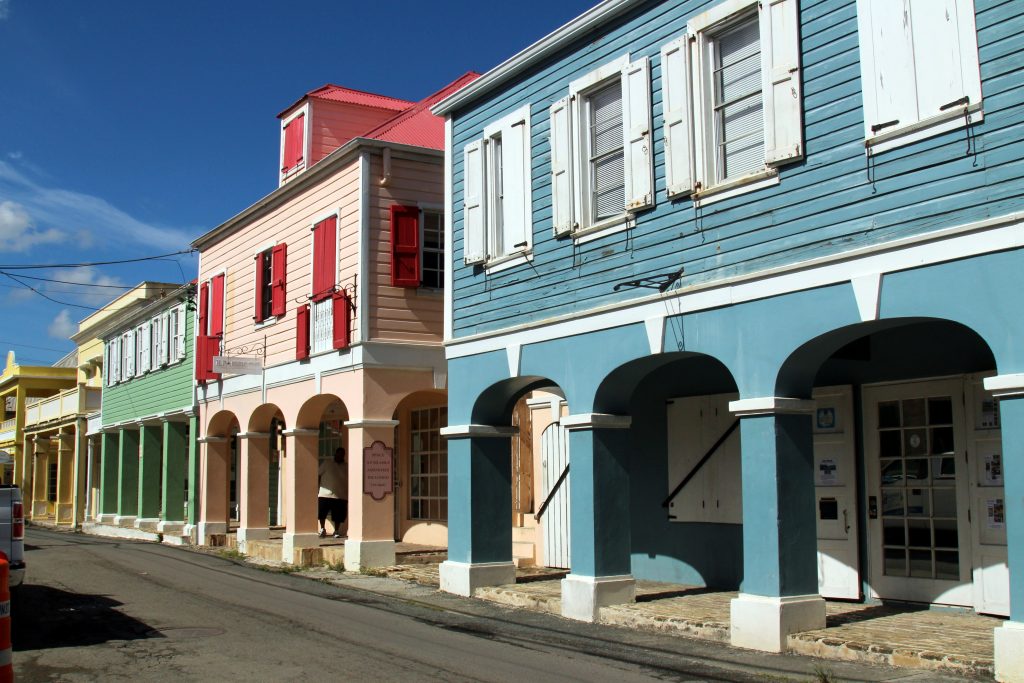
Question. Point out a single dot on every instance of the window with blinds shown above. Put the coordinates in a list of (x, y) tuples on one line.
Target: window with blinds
[(605, 145), (737, 106)]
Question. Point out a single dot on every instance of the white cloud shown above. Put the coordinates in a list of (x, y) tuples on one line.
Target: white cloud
[(76, 212), (62, 326), (16, 154), (18, 231)]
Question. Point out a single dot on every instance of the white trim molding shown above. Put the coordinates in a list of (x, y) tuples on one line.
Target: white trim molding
[(771, 405), (212, 439), (596, 421), (1005, 386), (370, 424), (252, 435), (300, 431), (478, 431)]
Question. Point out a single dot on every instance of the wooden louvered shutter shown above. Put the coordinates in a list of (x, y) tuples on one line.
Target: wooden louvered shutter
[(204, 311), (405, 246), (561, 168), (302, 332), (636, 130), (677, 102), (217, 306), (780, 81), (324, 257), (278, 270), (260, 257), (474, 226), (341, 319)]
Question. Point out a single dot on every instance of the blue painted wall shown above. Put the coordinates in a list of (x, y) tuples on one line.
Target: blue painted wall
[(825, 204)]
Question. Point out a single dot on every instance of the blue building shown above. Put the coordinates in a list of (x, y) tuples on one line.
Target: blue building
[(769, 256)]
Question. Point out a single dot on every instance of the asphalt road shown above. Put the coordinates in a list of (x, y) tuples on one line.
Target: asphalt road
[(98, 609)]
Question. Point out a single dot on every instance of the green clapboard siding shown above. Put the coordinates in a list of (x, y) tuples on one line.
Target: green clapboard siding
[(165, 389)]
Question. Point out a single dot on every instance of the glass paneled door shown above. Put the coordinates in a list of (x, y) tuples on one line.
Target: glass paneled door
[(919, 543)]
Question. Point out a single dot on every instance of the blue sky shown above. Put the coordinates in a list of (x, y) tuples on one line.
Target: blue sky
[(132, 127)]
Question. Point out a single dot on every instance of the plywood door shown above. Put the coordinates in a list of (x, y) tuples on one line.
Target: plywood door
[(555, 522)]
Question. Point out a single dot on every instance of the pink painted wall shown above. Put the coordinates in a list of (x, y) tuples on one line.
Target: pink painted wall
[(335, 123)]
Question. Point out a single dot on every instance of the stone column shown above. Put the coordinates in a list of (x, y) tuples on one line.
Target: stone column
[(40, 476), (128, 477), (64, 506), (599, 515), (479, 508), (1009, 636), (150, 471), (779, 593), (300, 489), (371, 523), (253, 487), (110, 443), (174, 476), (194, 474), (213, 489)]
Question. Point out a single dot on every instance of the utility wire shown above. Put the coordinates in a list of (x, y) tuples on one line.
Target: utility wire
[(70, 282), (30, 346), (158, 257), (49, 298)]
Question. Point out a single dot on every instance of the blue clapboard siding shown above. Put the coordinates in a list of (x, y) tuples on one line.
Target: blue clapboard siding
[(824, 205)]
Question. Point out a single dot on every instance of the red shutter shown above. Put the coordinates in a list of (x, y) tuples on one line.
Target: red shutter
[(325, 241), (207, 347), (302, 332), (217, 306), (341, 321), (200, 361), (259, 287), (405, 246), (204, 307), (279, 273), (299, 124)]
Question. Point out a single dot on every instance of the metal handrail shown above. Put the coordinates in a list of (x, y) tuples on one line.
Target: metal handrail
[(696, 468), (551, 494)]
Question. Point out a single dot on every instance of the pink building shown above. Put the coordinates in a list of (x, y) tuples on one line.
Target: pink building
[(323, 306)]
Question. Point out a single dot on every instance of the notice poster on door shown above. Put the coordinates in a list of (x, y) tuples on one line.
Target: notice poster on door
[(996, 518), (993, 474), (827, 472)]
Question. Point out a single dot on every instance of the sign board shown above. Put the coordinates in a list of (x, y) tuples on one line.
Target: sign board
[(238, 365), (378, 480)]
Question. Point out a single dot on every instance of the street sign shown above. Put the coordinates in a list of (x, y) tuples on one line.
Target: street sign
[(238, 365)]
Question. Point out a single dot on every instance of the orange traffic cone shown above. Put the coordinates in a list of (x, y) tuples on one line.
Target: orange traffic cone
[(6, 659)]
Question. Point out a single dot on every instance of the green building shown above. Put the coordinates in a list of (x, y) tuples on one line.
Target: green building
[(145, 475)]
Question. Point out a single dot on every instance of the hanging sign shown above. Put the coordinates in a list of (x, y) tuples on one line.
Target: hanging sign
[(238, 365), (378, 480)]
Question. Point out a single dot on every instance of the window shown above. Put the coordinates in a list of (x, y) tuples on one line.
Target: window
[(732, 99), (271, 265), (154, 343), (428, 465), (142, 349), (293, 143), (433, 249), (919, 68), (601, 163), (497, 211), (127, 355)]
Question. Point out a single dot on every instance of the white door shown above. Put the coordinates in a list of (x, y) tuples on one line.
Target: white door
[(835, 490), (323, 325), (919, 536), (988, 540), (555, 521)]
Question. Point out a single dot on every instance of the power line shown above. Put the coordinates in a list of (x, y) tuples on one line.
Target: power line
[(158, 257), (71, 282), (30, 346), (48, 298)]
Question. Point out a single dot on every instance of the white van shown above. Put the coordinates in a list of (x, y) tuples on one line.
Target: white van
[(12, 532)]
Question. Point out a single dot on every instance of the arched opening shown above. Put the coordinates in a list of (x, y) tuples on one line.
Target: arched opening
[(327, 414), (421, 469), (265, 450), (907, 452), (219, 472)]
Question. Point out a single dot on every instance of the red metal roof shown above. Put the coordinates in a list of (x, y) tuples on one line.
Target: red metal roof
[(337, 93), (416, 125)]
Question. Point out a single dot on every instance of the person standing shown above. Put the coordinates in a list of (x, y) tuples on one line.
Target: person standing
[(333, 495)]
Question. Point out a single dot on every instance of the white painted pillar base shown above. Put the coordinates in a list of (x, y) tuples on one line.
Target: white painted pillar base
[(763, 623), (204, 530), (106, 519), (584, 596), (244, 534), (366, 554), (127, 520), (191, 532), (462, 578), (148, 522), (1009, 652), (171, 528), (292, 542)]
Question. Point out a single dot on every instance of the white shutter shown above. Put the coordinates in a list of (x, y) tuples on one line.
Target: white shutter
[(144, 342), (164, 331), (154, 343), (129, 359), (561, 168), (515, 169), (474, 230), (636, 131), (180, 312), (780, 81), (115, 357), (945, 55), (890, 95), (108, 370), (677, 103)]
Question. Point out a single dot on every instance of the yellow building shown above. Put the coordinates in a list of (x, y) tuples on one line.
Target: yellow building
[(19, 385)]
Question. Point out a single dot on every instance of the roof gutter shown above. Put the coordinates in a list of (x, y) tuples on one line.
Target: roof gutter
[(315, 174), (543, 48)]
